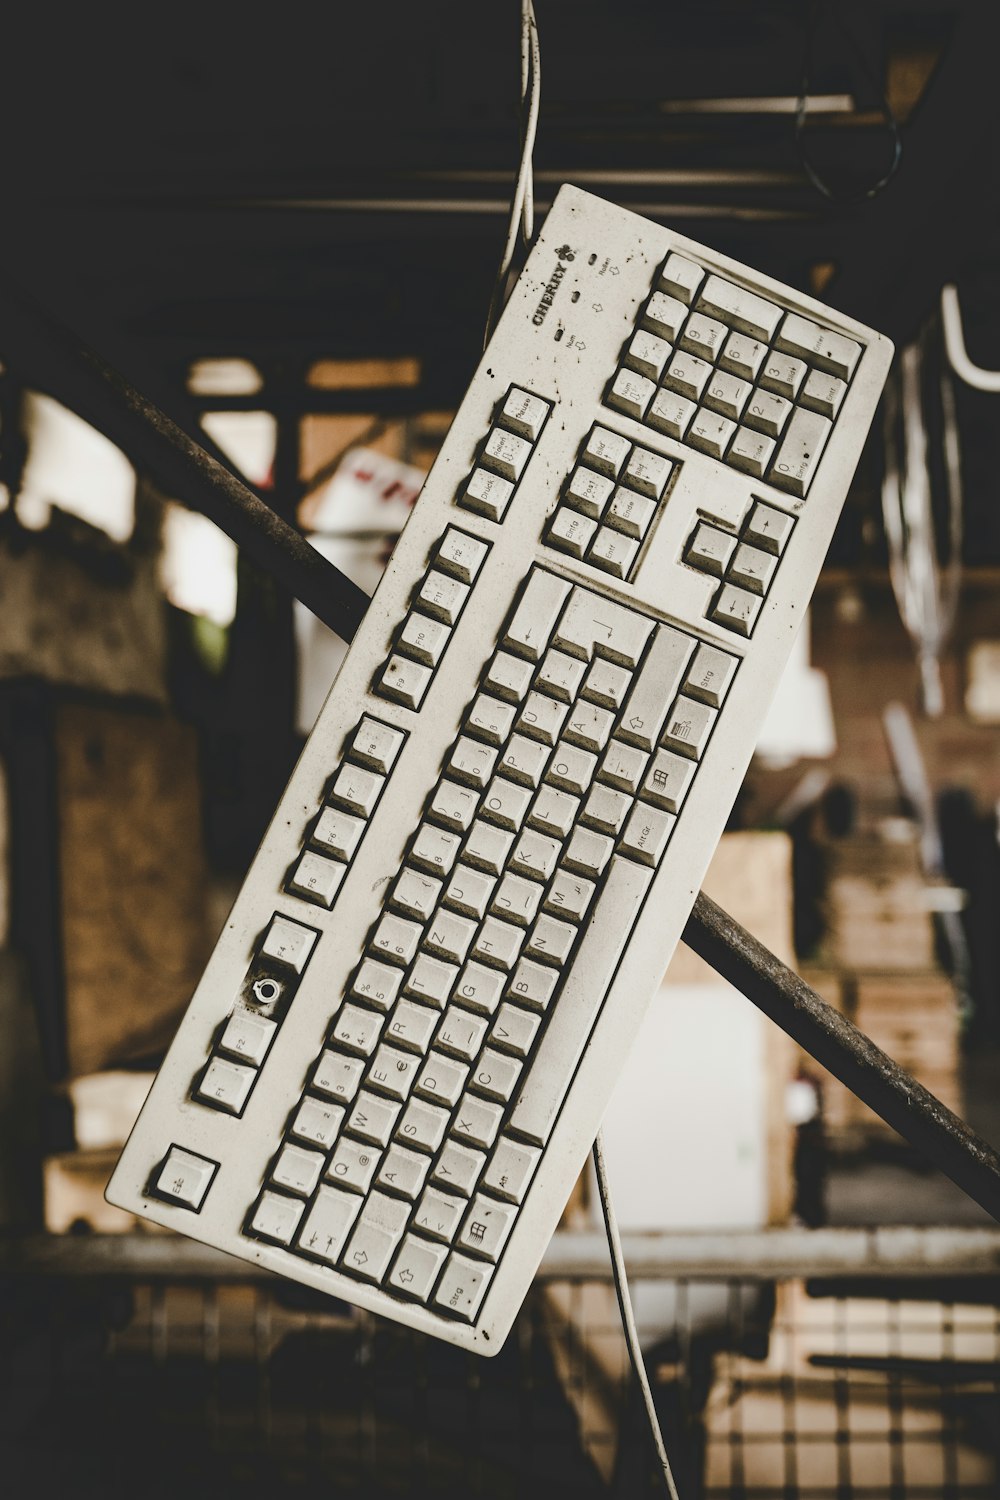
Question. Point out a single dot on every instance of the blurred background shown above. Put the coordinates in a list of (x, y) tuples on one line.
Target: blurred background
[(285, 233)]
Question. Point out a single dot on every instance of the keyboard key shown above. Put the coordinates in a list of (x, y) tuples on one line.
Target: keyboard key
[(508, 677), (487, 847), (689, 725), (434, 849), (517, 900), (743, 355), (461, 1033), (226, 1085), (687, 375), (276, 1218), (411, 1026), (356, 790), (668, 781), (404, 681), (587, 853), (461, 555), (768, 528), (431, 980), (569, 896), (612, 552), (480, 988), (458, 1168), (631, 394), (453, 805), (523, 760), (646, 834), (402, 1172), (297, 1170), (247, 1037), (656, 684), (416, 1267), (318, 1122), (524, 414), (449, 936), (376, 745), (316, 878), (528, 632), (372, 1118), (506, 454), (338, 832), (486, 1227), (710, 550), (442, 597), (352, 1166), (646, 353), (570, 532), (752, 568), (490, 718), (767, 413), (606, 684), (727, 395), (356, 1029), (462, 1286), (571, 769), (551, 941), (711, 673), (589, 727), (415, 895), (376, 983), (185, 1178), (469, 891), (799, 454), (498, 944), (606, 810), (671, 413), (423, 639), (606, 451), (477, 1122), (741, 309), (439, 1214), (631, 513), (495, 1076), (588, 492), (514, 1030), (703, 336), (751, 452), (664, 315), (487, 494), (783, 374), (396, 940), (592, 625), (377, 1233), (541, 718), (623, 766), (560, 675), (442, 1079), (533, 984), (554, 812), (534, 855), (506, 803), (328, 1225), (288, 943), (338, 1076), (423, 1125), (580, 1001), (823, 393), (833, 352), (711, 434), (511, 1169), (680, 278), (392, 1073), (471, 762)]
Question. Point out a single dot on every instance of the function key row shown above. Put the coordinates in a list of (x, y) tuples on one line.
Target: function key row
[(437, 602), (745, 563), (505, 453), (733, 375), (609, 502)]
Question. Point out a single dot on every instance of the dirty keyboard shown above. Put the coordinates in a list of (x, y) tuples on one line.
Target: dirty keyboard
[(393, 1068)]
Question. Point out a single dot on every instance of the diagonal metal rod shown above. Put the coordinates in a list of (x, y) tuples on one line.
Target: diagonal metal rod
[(74, 374)]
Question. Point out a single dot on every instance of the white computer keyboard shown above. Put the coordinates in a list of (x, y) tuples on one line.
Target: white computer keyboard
[(394, 1066)]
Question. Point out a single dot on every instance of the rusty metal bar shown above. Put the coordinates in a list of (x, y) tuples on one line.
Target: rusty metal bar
[(81, 378)]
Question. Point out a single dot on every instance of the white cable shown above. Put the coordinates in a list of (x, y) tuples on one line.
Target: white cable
[(627, 1315), (522, 208)]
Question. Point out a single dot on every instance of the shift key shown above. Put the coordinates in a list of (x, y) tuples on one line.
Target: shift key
[(655, 688)]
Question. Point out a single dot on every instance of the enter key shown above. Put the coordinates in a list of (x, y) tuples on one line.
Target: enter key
[(657, 684)]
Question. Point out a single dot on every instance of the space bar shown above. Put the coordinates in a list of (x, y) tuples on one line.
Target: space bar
[(579, 1003)]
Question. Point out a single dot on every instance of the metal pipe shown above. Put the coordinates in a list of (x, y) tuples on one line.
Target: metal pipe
[(846, 1052)]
